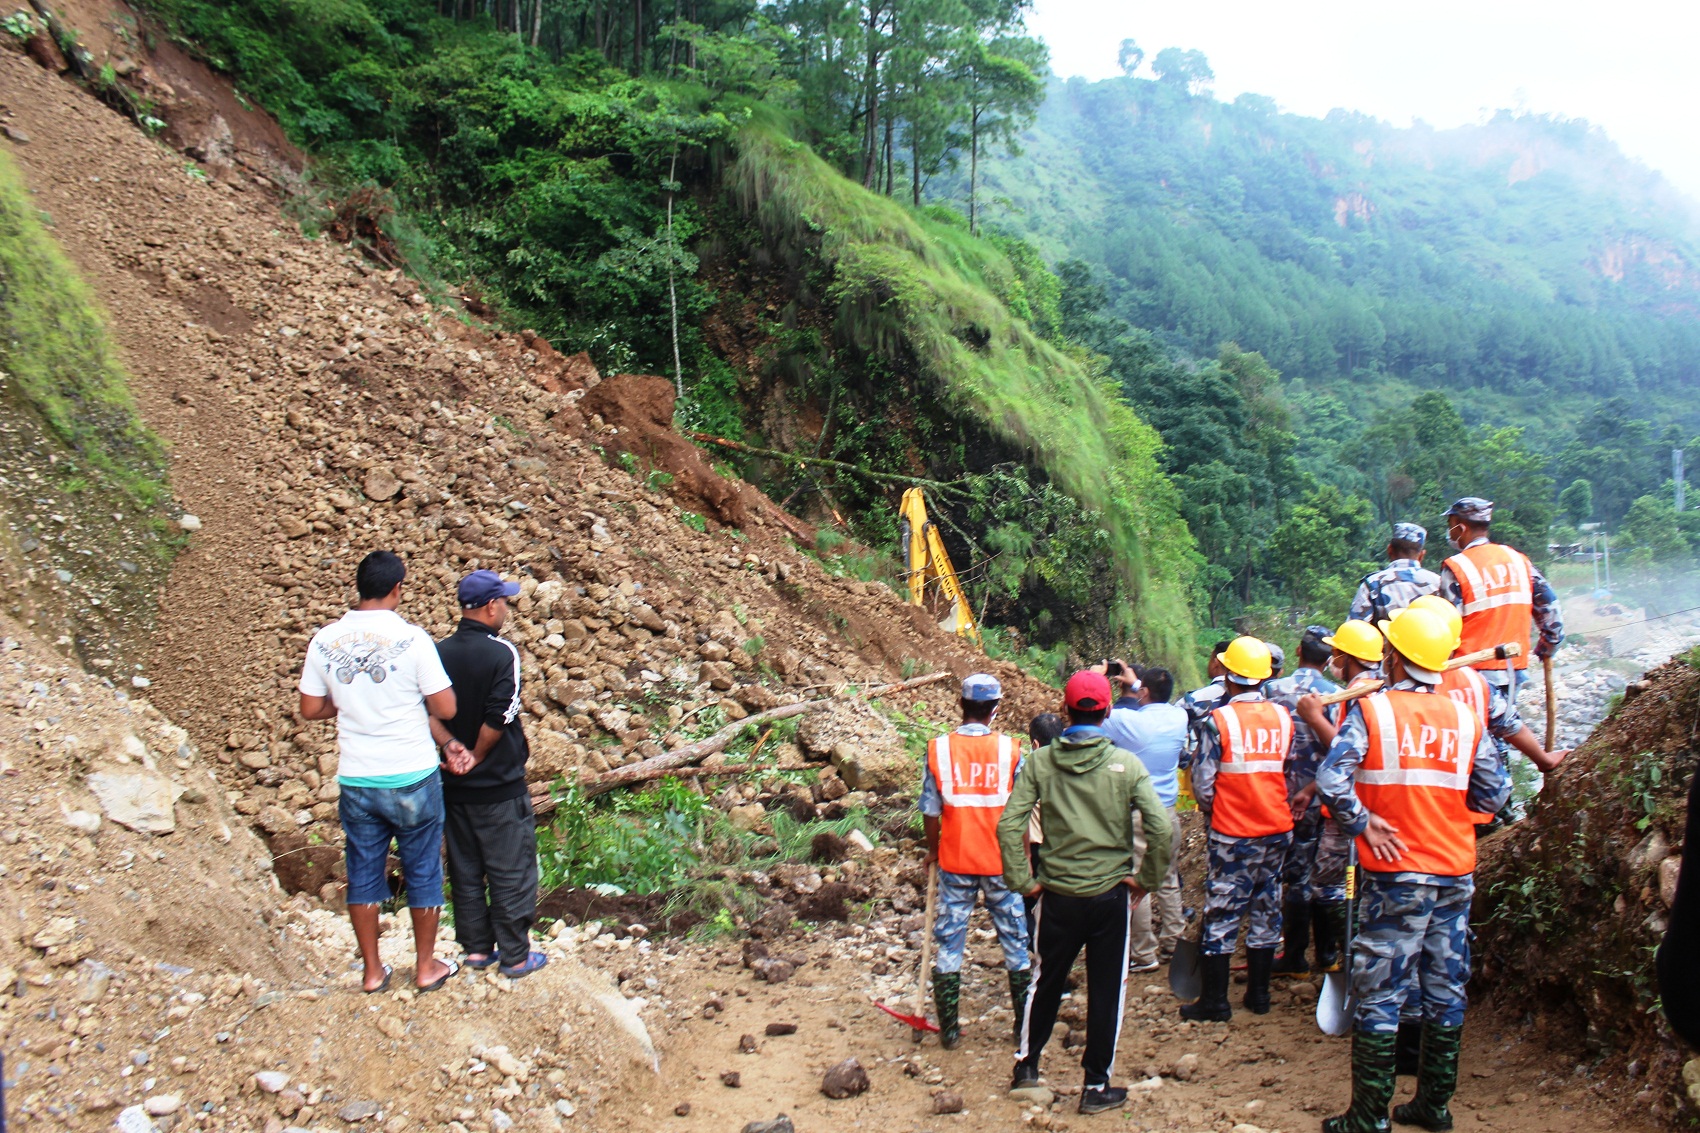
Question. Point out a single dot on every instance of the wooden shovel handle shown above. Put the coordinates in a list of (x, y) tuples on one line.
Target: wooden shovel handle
[(1497, 653)]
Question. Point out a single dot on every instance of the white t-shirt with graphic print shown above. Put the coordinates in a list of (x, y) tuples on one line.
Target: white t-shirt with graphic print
[(377, 668)]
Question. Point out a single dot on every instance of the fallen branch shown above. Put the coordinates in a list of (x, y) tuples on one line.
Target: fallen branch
[(670, 762), (805, 461)]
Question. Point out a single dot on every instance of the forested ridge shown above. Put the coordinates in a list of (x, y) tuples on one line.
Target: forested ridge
[(1210, 347)]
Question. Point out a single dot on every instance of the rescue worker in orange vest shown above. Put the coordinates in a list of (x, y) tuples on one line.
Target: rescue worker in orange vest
[(967, 781), (1506, 727), (1358, 647), (1239, 779), (1499, 594), (1488, 700), (1407, 774)]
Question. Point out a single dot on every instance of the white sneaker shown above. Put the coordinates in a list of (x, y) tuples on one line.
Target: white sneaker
[(1152, 966)]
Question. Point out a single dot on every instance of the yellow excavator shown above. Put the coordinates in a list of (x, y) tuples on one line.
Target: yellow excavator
[(929, 564)]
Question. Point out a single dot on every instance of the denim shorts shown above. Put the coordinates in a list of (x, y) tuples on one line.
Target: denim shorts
[(413, 817)]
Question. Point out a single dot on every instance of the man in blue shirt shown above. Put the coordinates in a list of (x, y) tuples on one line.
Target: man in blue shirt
[(1156, 732)]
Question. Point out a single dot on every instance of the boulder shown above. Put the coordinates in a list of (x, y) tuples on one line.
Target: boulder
[(144, 801)]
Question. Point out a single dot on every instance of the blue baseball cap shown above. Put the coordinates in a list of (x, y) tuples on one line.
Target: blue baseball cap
[(981, 687), (482, 587)]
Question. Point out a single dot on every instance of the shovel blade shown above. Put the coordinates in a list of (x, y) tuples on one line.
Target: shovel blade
[(1184, 978), (917, 1022), (1335, 1007)]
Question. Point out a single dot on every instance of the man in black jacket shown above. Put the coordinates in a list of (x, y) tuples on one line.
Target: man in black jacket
[(489, 829)]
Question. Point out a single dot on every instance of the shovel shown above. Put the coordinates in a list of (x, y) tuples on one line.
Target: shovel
[(918, 1021), (1335, 1007), (1184, 977)]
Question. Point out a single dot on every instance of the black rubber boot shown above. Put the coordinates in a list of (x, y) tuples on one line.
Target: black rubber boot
[(1295, 928), (1372, 1086), (1329, 919), (1258, 963), (1212, 1005), (1018, 984), (1407, 1052), (947, 993), (1437, 1080)]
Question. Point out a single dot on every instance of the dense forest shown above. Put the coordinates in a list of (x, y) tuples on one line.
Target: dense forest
[(1172, 364)]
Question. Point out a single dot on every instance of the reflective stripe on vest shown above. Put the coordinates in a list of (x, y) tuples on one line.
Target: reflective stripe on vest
[(1467, 687), (1415, 774), (1496, 583), (1251, 784), (974, 775)]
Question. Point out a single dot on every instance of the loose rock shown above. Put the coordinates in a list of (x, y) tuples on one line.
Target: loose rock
[(846, 1080)]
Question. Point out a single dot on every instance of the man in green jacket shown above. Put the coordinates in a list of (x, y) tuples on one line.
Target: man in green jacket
[(1086, 789)]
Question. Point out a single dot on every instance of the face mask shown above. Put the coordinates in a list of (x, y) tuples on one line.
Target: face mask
[(1452, 535)]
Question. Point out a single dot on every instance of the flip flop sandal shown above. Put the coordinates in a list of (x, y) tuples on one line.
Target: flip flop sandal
[(533, 961), (440, 980), (385, 986), (490, 959)]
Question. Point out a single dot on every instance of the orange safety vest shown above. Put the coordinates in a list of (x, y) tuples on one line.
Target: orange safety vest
[(1416, 774), (1497, 585), (1468, 687), (1251, 784), (974, 774)]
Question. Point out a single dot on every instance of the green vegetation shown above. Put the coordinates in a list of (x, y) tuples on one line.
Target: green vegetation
[(58, 360)]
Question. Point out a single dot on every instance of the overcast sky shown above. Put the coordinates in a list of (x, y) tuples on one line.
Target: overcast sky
[(1627, 65)]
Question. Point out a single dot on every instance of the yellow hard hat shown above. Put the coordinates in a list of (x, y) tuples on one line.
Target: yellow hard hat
[(1423, 638), (1446, 610), (1358, 639), (1247, 658)]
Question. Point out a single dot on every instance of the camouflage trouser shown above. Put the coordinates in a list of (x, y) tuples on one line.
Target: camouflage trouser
[(1328, 867), (1301, 855), (1412, 933), (1245, 874), (957, 892)]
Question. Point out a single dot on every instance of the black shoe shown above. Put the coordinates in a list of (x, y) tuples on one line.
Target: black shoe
[(1328, 923), (1097, 1099), (1025, 1078), (1408, 1049), (1212, 1005), (1258, 962), (1295, 930)]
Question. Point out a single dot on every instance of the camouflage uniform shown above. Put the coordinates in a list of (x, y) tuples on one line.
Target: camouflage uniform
[(1245, 873), (1333, 847), (950, 925), (1411, 921), (1198, 704), (1306, 753), (1391, 589)]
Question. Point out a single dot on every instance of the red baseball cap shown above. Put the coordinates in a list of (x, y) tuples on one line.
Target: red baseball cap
[(1087, 691)]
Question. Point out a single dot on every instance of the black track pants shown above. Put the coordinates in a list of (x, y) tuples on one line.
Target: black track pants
[(492, 849), (1065, 926)]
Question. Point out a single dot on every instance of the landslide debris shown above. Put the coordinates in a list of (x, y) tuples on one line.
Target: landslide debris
[(1571, 903), (335, 411)]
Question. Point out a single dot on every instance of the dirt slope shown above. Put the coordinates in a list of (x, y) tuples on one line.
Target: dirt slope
[(317, 409)]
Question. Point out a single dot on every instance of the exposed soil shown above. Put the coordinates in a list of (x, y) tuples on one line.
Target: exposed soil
[(318, 408)]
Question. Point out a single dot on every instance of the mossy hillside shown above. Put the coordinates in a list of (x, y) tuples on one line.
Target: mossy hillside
[(905, 284), (55, 348), (82, 479)]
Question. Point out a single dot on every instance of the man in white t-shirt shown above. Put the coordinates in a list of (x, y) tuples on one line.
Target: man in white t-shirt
[(380, 678)]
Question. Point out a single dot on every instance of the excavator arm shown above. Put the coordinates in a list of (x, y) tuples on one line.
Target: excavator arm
[(929, 563)]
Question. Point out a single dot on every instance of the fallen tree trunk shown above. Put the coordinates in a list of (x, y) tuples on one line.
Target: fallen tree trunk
[(659, 766)]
